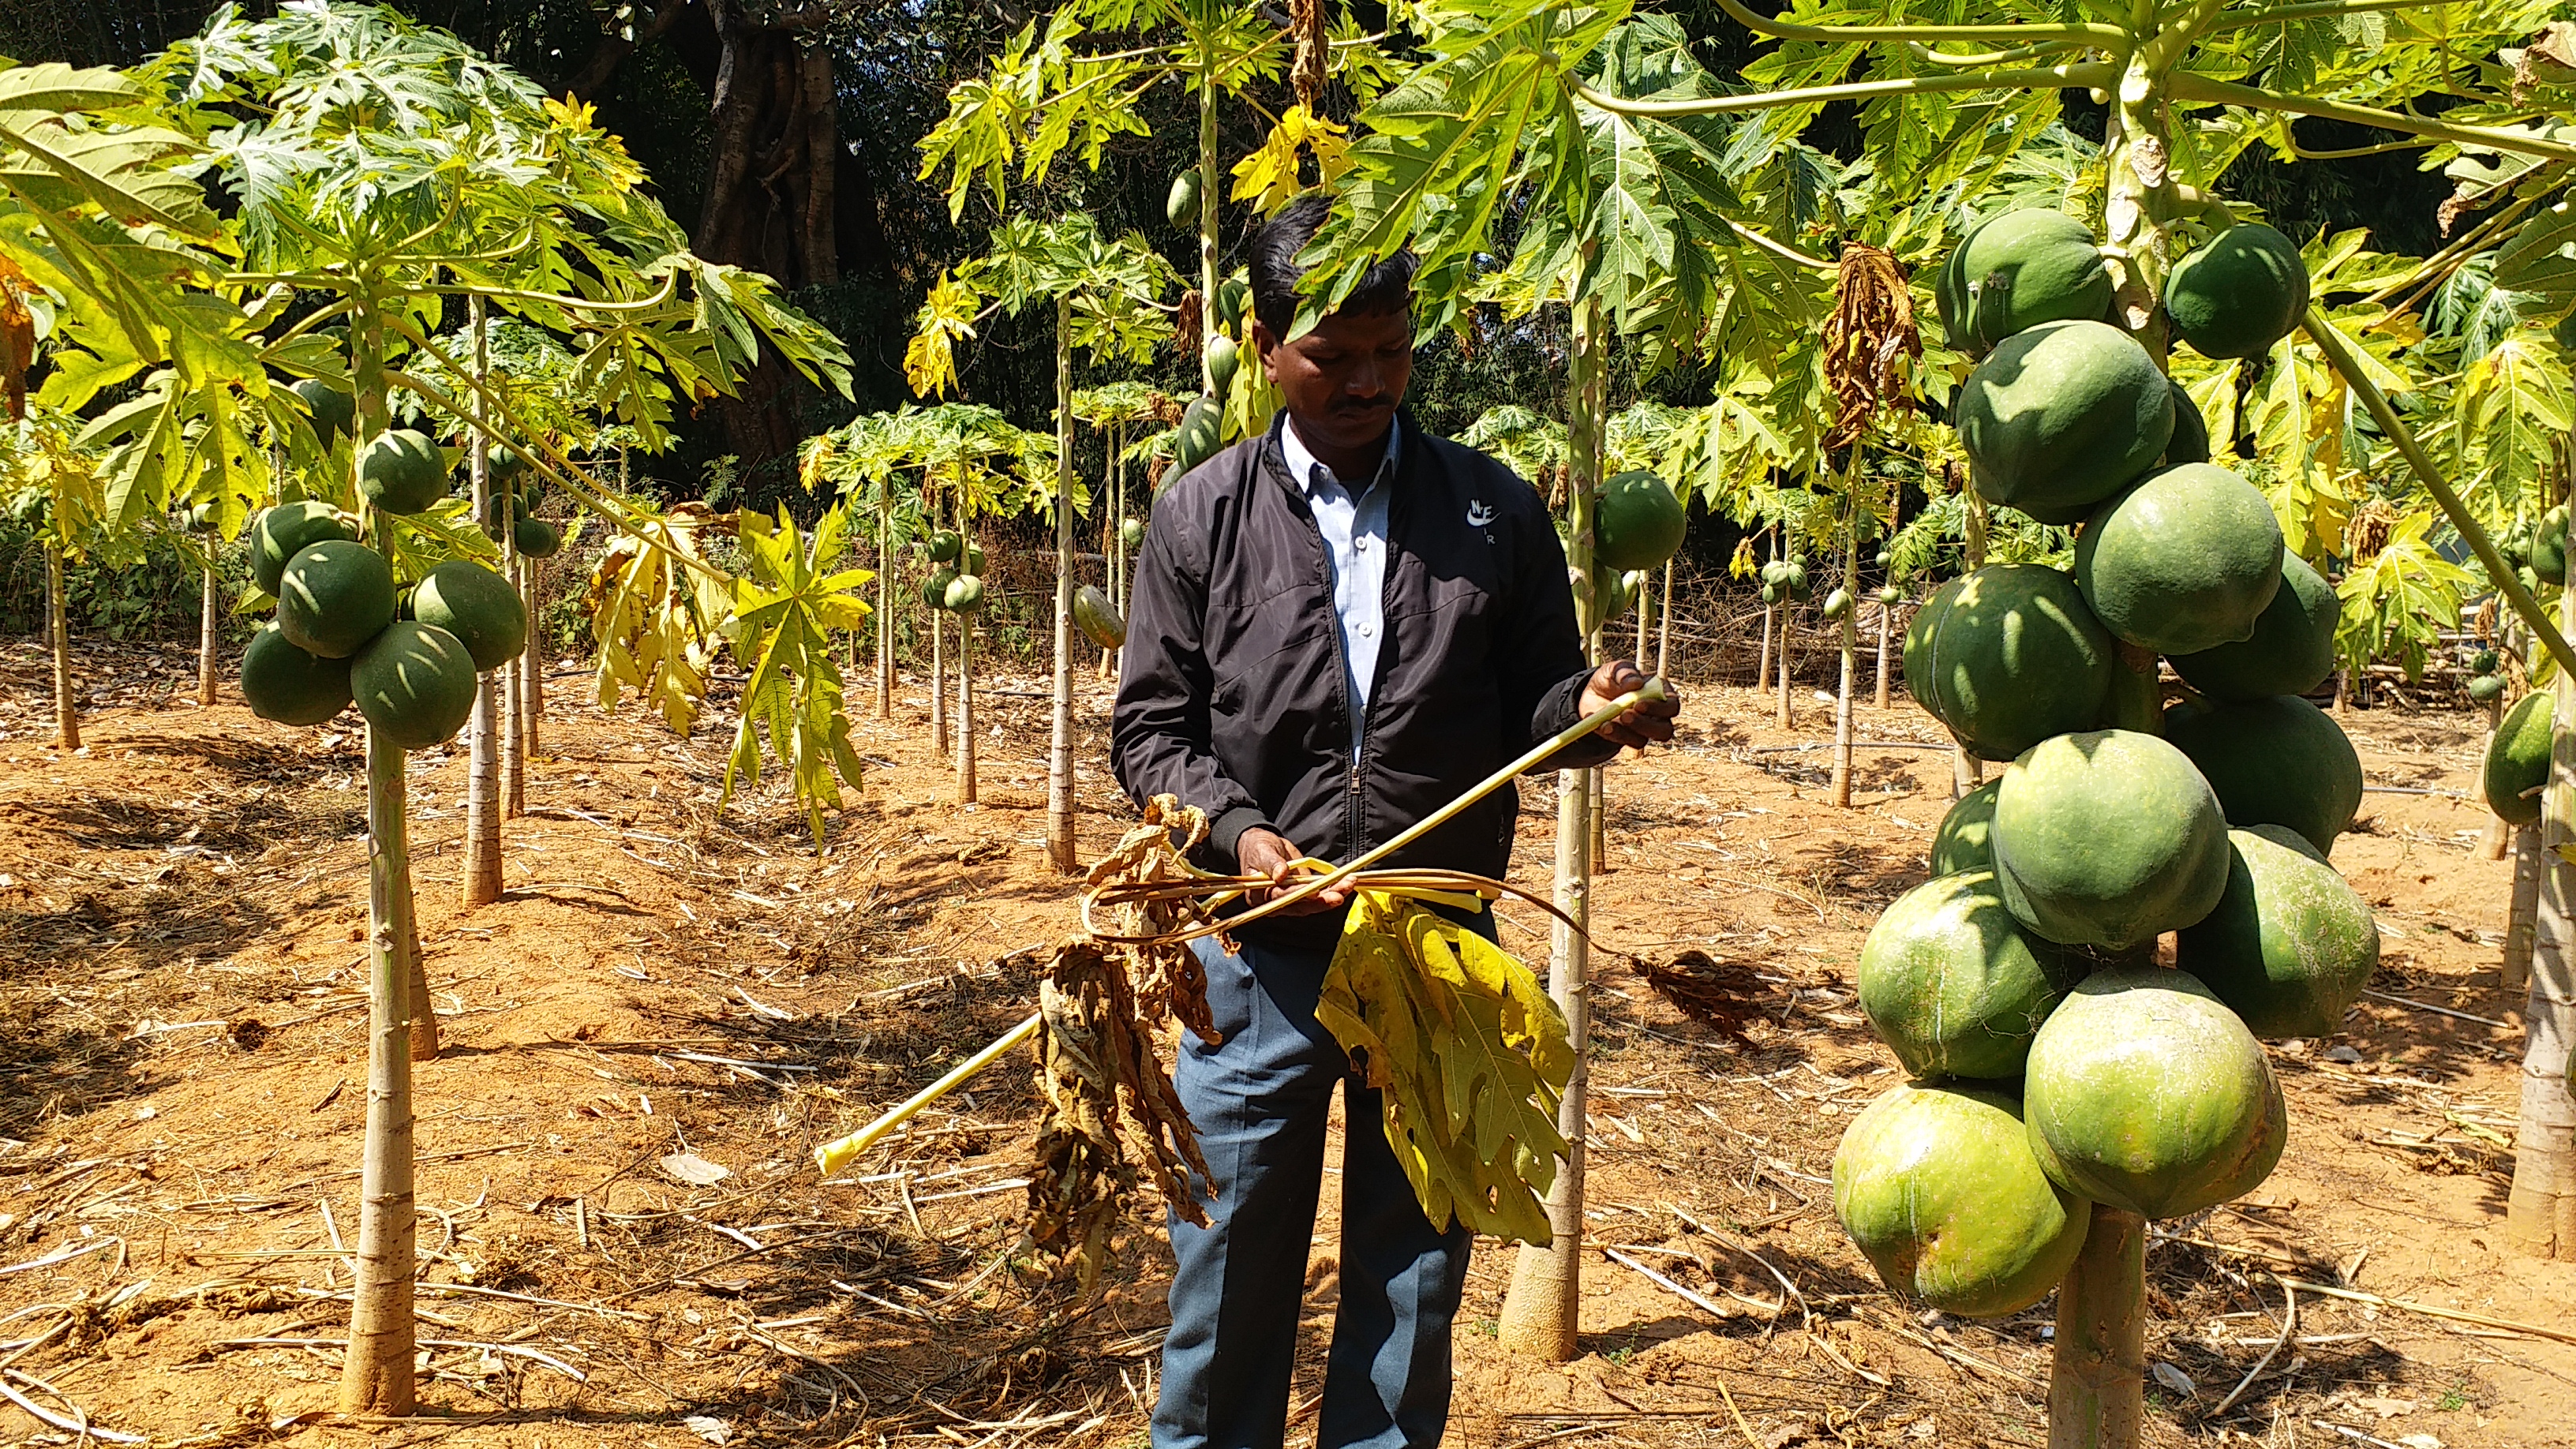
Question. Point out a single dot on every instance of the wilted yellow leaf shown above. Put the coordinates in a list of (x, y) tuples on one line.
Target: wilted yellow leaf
[(1470, 1057)]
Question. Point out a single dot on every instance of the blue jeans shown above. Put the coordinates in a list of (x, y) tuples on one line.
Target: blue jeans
[(1259, 1101)]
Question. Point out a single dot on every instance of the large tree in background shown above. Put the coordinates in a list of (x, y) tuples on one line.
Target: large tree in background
[(782, 193)]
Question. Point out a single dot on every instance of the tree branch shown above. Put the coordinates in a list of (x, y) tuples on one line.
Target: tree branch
[(2188, 86)]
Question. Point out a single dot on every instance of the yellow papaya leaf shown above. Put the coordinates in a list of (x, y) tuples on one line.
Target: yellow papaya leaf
[(1469, 1055)]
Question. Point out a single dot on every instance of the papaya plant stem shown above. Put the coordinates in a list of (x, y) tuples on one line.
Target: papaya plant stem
[(376, 1377), (885, 598), (2540, 1209), (1208, 221), (966, 709), (2007, 34), (532, 675), (1061, 851), (2076, 75), (58, 625), (2514, 974), (1539, 1314), (2190, 88), (1848, 627), (1664, 626), (2347, 362), (2097, 1374), (482, 884), (207, 634)]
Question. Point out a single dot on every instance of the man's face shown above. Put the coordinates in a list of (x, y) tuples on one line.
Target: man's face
[(1341, 381)]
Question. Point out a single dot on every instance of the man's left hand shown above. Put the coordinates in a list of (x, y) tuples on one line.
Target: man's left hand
[(1648, 721)]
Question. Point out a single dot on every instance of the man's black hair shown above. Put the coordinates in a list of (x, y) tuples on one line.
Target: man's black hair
[(1387, 287)]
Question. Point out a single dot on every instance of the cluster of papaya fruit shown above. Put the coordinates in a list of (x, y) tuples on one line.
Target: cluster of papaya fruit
[(2056, 1061), (345, 632), (956, 578)]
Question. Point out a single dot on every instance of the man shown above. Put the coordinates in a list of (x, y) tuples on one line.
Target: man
[(1337, 629)]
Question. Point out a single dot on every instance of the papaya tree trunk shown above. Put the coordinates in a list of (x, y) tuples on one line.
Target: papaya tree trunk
[(1209, 191), (2540, 1212), (376, 1378), (1539, 1315), (514, 761), (1788, 611), (1848, 626), (1886, 626), (58, 626), (482, 884), (1600, 812), (1664, 626), (2514, 974), (1886, 609), (532, 678), (207, 634), (885, 599), (1060, 842), (938, 685), (1762, 672), (966, 709), (2097, 1373)]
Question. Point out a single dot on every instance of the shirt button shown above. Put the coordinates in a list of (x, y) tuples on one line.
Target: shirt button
[(1359, 545), (1367, 630)]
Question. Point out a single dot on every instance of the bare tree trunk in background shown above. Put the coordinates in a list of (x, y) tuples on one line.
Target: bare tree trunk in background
[(483, 741), (207, 634), (66, 710), (1762, 672), (784, 197)]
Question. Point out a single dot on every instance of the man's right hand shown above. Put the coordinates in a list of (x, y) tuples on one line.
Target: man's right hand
[(1268, 853)]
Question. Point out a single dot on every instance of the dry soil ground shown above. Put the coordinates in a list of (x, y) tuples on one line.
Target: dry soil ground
[(182, 1066)]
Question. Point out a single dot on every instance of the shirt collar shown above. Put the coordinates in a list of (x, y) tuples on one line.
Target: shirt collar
[(1302, 462)]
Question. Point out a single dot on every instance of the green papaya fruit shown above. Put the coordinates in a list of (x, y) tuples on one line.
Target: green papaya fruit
[(2239, 293), (1939, 1189)]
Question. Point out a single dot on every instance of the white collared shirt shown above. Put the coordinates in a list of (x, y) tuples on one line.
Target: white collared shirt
[(1354, 528)]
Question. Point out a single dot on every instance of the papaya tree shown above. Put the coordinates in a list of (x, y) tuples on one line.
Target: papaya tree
[(1112, 409), (1107, 300), (1506, 82), (974, 464), (859, 460), (387, 174), (1082, 83)]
